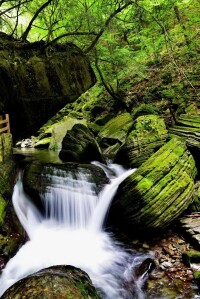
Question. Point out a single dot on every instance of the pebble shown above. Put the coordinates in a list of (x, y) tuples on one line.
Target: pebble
[(167, 264), (145, 245)]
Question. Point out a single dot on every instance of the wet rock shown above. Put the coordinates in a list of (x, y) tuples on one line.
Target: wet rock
[(26, 143), (148, 136), (157, 192), (37, 177), (167, 264), (79, 145), (114, 132), (191, 225), (190, 258), (195, 205), (188, 127), (54, 282), (52, 136), (145, 268), (197, 277)]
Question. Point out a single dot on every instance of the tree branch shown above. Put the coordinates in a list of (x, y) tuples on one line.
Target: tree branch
[(107, 22), (13, 7), (109, 88), (17, 16), (26, 32), (68, 34)]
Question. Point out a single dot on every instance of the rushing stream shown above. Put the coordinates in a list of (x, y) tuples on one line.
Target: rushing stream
[(71, 233)]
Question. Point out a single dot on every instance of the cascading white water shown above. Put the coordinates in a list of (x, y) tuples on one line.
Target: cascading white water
[(71, 233)]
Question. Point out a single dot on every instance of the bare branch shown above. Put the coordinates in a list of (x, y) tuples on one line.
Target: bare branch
[(16, 23), (13, 7), (26, 32)]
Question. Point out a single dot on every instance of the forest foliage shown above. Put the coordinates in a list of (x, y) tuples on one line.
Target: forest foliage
[(121, 37)]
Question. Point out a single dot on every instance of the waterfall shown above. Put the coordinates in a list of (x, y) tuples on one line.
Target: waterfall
[(71, 233)]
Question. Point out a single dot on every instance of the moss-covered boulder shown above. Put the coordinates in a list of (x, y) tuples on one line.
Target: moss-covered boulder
[(158, 191), (114, 132), (38, 81), (190, 257), (195, 205), (148, 136), (55, 282), (188, 127), (53, 135), (190, 224), (79, 145), (60, 129)]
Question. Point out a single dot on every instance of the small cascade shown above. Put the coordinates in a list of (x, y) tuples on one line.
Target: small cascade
[(70, 201), (71, 233)]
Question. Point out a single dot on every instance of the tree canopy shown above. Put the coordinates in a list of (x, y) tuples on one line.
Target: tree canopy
[(118, 35)]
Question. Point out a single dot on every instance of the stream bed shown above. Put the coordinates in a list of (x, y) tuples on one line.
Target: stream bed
[(117, 253)]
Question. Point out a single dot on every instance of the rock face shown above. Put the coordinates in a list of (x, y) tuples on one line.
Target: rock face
[(36, 83), (188, 126), (191, 225), (114, 132), (195, 205), (79, 145), (148, 136), (53, 136), (6, 172), (158, 191), (55, 282)]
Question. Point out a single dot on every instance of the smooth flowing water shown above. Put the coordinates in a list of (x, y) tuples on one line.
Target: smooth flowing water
[(71, 233)]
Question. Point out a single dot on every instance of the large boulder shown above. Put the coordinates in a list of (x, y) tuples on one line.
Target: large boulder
[(53, 136), (158, 191), (79, 145), (54, 282), (188, 127), (114, 133), (148, 136), (37, 82)]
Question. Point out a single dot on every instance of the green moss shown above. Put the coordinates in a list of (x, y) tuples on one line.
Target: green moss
[(160, 189), (197, 277), (60, 129), (149, 135), (117, 128), (190, 257), (43, 143), (40, 74), (2, 209), (144, 109)]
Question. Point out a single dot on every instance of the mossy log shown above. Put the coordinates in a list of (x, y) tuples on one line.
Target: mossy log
[(148, 136), (158, 191)]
